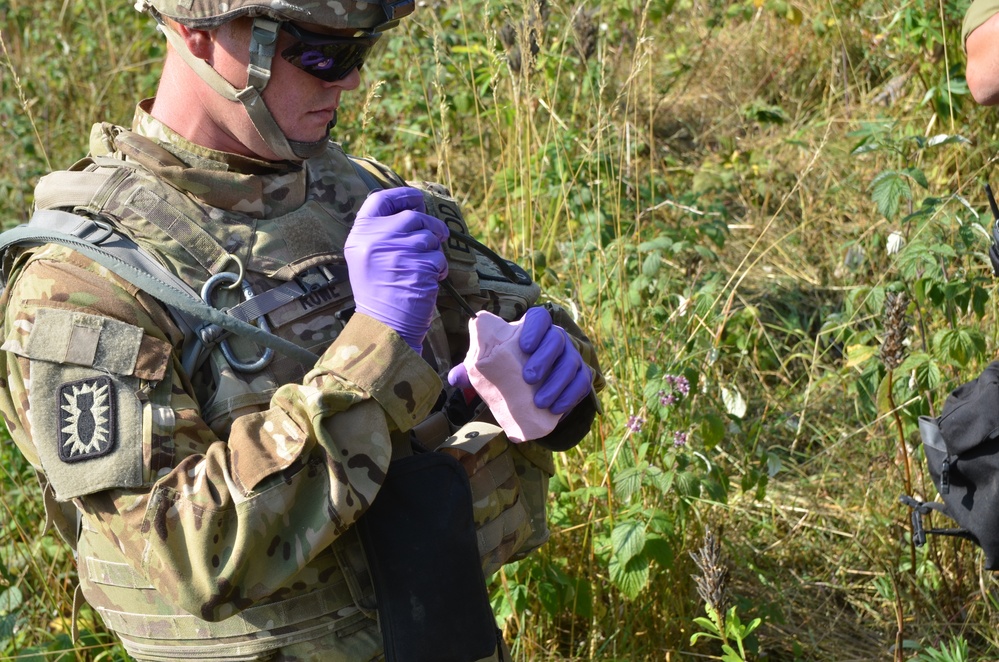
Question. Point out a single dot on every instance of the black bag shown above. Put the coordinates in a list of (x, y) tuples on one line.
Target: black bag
[(419, 539), (962, 455)]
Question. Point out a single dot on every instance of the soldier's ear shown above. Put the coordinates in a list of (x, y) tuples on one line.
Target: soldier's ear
[(201, 43)]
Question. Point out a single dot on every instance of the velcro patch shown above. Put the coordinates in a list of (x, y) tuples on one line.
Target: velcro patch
[(80, 339), (88, 428), (87, 417)]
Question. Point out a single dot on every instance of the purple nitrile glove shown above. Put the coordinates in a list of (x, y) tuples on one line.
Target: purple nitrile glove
[(395, 261), (554, 363)]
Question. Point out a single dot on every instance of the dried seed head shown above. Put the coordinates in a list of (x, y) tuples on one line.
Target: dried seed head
[(895, 329), (712, 584)]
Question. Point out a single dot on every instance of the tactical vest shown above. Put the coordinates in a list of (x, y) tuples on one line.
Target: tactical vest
[(293, 277)]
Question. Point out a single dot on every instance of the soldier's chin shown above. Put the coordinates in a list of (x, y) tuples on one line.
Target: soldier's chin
[(314, 127)]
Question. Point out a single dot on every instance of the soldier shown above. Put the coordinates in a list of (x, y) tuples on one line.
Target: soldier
[(981, 28), (229, 502)]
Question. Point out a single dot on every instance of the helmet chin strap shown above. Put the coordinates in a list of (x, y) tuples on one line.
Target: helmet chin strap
[(262, 40)]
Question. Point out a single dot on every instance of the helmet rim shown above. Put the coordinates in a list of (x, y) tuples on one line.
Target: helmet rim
[(368, 16)]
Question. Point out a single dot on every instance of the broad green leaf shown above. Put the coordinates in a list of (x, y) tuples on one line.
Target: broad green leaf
[(917, 176), (650, 267), (958, 291), (550, 596), (589, 493), (864, 148), (887, 191), (687, 484), (943, 250), (916, 260), (11, 600), (708, 625), (753, 624), (979, 299), (928, 375), (662, 480), (959, 345), (944, 139), (858, 355), (705, 253), (658, 521), (627, 482), (630, 578), (660, 550), (773, 464), (8, 626), (711, 430), (628, 540)]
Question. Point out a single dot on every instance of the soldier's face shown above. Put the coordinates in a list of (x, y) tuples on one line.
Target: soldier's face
[(302, 104)]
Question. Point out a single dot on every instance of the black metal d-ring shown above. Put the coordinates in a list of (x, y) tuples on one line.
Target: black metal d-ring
[(233, 279)]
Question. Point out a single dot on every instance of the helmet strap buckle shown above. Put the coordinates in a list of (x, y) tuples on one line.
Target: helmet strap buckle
[(263, 38)]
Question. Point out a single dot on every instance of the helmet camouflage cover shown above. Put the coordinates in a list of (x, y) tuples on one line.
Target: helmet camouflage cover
[(375, 15), (367, 16)]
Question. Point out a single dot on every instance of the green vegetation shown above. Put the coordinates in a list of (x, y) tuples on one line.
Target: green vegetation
[(770, 218)]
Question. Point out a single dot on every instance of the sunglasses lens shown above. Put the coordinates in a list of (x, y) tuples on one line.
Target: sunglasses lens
[(329, 61)]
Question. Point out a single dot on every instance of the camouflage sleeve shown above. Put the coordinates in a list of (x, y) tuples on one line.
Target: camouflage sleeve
[(478, 279), (96, 399)]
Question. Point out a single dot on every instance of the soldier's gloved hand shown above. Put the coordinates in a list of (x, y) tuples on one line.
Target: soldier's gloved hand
[(553, 362), (395, 261)]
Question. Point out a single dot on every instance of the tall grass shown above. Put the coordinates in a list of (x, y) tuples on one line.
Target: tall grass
[(710, 187)]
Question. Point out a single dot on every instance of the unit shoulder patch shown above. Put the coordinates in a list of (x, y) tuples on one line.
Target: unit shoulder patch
[(87, 419), (89, 428)]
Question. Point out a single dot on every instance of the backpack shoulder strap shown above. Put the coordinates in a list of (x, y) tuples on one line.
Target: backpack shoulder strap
[(101, 243)]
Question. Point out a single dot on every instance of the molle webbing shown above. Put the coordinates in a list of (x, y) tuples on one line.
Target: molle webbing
[(179, 635), (90, 190), (152, 279), (247, 622), (185, 231)]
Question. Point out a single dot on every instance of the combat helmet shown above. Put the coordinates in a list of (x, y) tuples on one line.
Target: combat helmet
[(358, 17)]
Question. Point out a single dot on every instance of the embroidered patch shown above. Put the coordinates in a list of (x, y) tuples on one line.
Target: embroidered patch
[(86, 411)]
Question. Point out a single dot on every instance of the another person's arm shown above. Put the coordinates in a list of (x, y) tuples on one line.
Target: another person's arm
[(981, 42)]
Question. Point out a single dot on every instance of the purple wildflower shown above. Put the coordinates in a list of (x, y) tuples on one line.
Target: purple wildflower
[(679, 438), (679, 387), (635, 423)]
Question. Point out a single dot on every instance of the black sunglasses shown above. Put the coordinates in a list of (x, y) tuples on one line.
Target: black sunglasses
[(324, 56)]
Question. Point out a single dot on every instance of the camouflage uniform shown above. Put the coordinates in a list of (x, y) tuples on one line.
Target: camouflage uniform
[(216, 508)]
